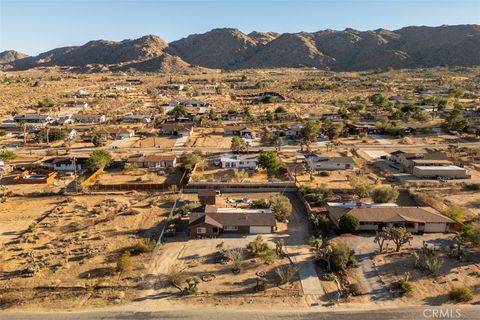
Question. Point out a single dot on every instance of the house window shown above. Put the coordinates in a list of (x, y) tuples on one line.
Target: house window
[(201, 230), (230, 228)]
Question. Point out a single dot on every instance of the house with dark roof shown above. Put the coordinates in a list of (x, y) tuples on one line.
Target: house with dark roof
[(65, 164), (213, 221), (317, 162), (410, 160), (115, 133), (375, 218)]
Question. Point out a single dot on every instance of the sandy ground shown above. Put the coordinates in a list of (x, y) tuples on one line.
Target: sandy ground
[(154, 142), (212, 173), (129, 176)]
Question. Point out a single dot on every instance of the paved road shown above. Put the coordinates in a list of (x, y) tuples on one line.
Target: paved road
[(409, 313), (288, 148)]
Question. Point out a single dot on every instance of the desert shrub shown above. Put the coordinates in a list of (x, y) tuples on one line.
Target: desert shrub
[(124, 262), (144, 246), (131, 212), (286, 274), (354, 289), (342, 257), (260, 204), (433, 264), (324, 174), (323, 226), (476, 203), (176, 276), (281, 207), (269, 256), (327, 277), (258, 245), (385, 194), (405, 286), (471, 233), (235, 257), (461, 294), (455, 213), (348, 223), (473, 187)]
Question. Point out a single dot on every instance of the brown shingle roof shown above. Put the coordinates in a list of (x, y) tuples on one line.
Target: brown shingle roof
[(389, 214), (233, 219), (152, 158)]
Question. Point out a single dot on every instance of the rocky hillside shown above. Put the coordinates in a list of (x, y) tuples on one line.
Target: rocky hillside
[(349, 49), (11, 55)]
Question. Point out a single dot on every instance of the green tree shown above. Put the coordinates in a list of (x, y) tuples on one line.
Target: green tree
[(99, 159), (362, 186), (471, 233), (7, 155), (269, 160), (97, 141), (238, 145), (268, 99), (399, 236), (342, 257), (348, 223), (281, 207), (179, 110), (56, 134), (190, 161), (260, 204), (385, 194), (310, 132), (455, 121), (280, 109)]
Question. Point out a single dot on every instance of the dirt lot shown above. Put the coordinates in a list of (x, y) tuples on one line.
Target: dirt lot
[(119, 176), (209, 172), (155, 142), (209, 137), (76, 245)]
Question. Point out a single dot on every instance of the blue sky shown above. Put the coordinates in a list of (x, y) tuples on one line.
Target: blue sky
[(35, 26)]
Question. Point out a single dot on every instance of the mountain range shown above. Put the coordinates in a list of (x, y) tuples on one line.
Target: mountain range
[(228, 48)]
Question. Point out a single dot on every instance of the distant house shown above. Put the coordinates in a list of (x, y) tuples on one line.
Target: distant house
[(171, 87), (177, 129), (115, 133), (245, 86), (187, 103), (409, 160), (63, 119), (65, 164), (137, 118), (357, 128), (89, 118), (153, 161), (33, 118), (237, 116), (241, 131), (436, 172), (134, 82), (239, 161), (213, 221), (317, 162), (414, 219), (294, 132), (81, 94), (77, 104)]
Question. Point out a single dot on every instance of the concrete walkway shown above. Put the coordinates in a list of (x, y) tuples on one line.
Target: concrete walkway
[(180, 142)]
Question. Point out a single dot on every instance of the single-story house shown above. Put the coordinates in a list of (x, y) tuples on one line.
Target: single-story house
[(239, 161), (33, 118), (294, 132), (408, 160), (187, 103), (89, 118), (81, 94), (65, 163), (153, 161), (137, 118), (77, 104), (171, 87), (317, 162), (213, 221), (414, 219), (435, 172), (115, 133), (177, 129), (358, 128), (237, 131)]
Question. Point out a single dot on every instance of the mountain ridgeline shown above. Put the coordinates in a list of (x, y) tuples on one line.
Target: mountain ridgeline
[(347, 50)]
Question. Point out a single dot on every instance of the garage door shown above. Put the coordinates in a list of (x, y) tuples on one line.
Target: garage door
[(435, 227), (256, 230)]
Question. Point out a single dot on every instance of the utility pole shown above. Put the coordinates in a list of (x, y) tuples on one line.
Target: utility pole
[(75, 173)]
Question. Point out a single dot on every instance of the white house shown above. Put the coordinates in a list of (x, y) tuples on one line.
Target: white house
[(239, 161), (329, 163)]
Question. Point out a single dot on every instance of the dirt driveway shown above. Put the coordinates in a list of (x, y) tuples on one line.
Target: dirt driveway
[(367, 273)]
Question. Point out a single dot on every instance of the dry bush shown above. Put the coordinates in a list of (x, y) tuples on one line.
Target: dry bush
[(176, 276), (124, 262), (286, 274)]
